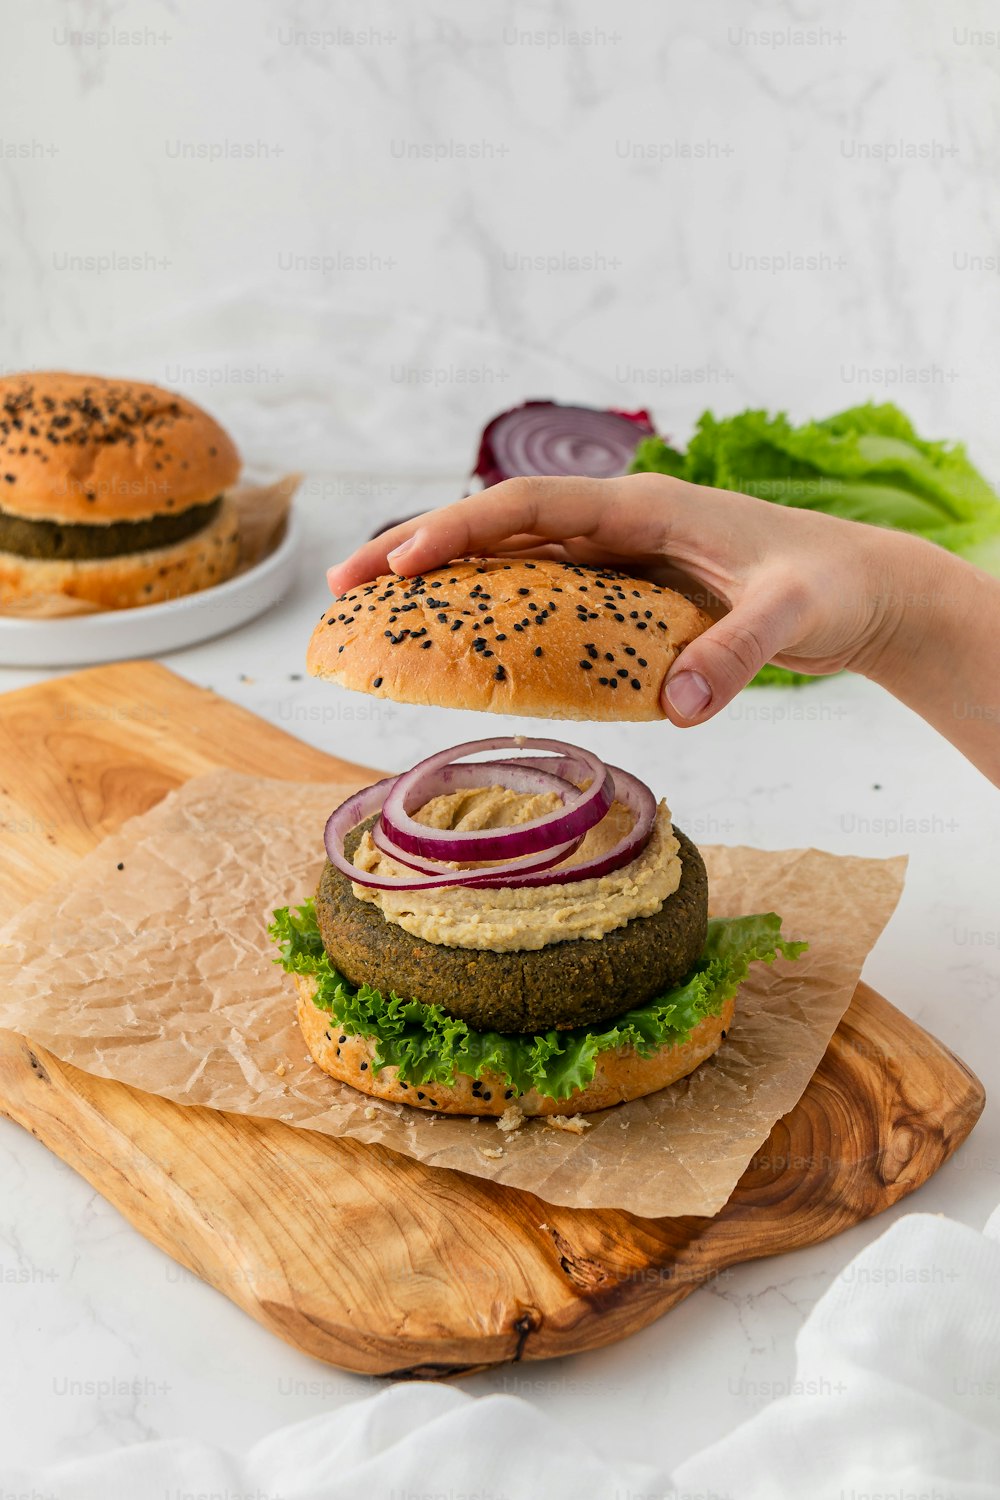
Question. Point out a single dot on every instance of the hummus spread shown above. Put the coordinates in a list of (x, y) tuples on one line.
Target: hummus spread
[(505, 918)]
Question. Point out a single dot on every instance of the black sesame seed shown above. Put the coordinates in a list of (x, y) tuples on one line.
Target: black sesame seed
[(376, 682), (424, 645), (603, 681), (456, 624), (636, 683), (640, 625), (499, 674), (613, 682), (524, 592), (501, 636), (608, 656), (342, 1038), (629, 650), (121, 867), (420, 1094), (538, 651), (620, 619), (364, 1067), (586, 665), (508, 1093), (622, 672), (442, 619), (643, 662)]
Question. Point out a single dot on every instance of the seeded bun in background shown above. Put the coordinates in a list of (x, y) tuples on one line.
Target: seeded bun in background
[(620, 1073), (539, 638), (111, 491)]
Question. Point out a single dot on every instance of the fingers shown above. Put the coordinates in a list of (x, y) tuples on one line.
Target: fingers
[(550, 509), (369, 560), (718, 664)]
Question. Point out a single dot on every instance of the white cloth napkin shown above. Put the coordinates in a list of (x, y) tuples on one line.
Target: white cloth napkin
[(898, 1367)]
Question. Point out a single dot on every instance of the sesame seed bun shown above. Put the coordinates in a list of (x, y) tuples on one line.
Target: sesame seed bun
[(541, 638), (82, 449), (620, 1073)]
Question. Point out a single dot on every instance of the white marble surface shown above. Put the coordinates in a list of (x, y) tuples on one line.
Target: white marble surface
[(374, 375)]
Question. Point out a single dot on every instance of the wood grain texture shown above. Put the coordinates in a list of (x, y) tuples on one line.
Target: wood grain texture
[(356, 1255)]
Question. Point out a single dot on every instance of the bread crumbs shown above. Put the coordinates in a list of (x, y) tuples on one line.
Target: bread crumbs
[(572, 1124), (512, 1119)]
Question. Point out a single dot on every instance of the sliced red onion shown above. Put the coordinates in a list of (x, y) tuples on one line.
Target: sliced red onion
[(541, 861), (436, 775), (544, 437), (515, 776), (637, 797), (516, 870)]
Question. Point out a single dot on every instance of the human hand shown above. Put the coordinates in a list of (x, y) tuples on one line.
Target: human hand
[(805, 590)]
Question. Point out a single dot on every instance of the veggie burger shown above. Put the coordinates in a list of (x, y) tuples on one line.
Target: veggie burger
[(527, 930), (113, 492)]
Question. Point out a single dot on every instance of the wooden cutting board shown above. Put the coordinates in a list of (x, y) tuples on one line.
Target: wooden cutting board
[(353, 1254)]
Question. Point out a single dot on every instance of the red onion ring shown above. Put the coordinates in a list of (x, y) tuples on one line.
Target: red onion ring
[(536, 870), (544, 437), (477, 776), (433, 776)]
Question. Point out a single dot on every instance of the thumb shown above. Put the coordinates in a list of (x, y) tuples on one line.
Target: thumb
[(716, 665)]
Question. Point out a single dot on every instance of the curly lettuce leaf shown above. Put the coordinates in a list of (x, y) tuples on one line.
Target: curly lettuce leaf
[(866, 464), (429, 1046)]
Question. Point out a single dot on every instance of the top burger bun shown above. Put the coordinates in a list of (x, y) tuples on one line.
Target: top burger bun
[(540, 638), (80, 449)]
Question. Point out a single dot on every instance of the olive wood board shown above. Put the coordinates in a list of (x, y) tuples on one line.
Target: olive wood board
[(354, 1254)]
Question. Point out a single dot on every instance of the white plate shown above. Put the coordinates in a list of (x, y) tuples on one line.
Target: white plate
[(152, 629)]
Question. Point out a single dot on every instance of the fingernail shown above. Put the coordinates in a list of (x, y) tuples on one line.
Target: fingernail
[(403, 548), (688, 694)]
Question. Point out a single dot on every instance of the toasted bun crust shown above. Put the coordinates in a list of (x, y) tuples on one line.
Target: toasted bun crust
[(619, 1075), (208, 557), (80, 448), (557, 641)]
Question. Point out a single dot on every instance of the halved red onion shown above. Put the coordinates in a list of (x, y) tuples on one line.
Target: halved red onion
[(544, 437), (534, 867), (437, 774)]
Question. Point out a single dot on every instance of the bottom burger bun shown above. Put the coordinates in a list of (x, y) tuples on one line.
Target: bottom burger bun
[(207, 557), (620, 1073)]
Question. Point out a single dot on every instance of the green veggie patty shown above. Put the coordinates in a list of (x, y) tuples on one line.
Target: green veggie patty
[(573, 983), (67, 541)]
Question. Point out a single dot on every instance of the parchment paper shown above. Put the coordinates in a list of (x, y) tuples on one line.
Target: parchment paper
[(151, 965), (263, 511)]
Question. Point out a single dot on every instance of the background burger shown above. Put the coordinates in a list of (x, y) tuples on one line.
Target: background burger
[(111, 492), (528, 931)]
